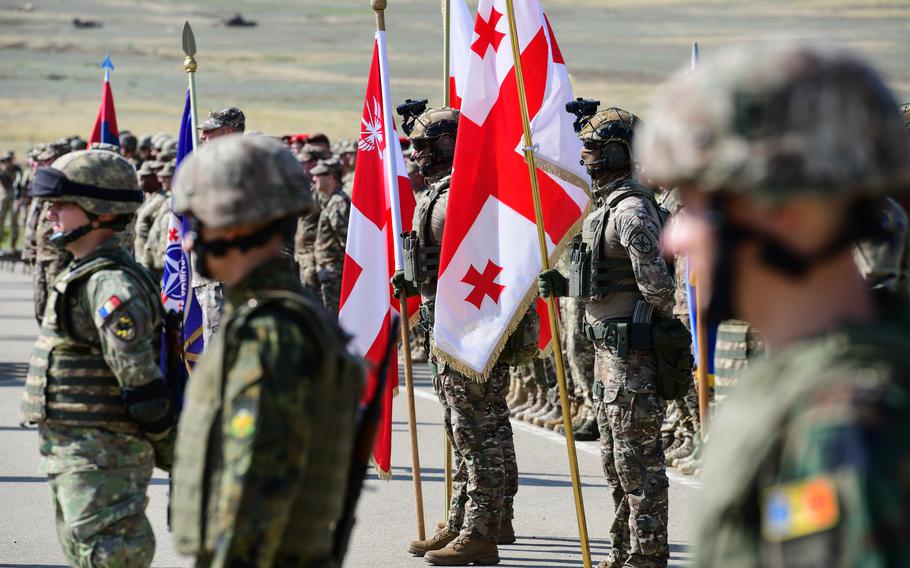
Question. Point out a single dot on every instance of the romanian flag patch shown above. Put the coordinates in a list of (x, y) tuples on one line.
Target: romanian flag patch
[(109, 306), (799, 508)]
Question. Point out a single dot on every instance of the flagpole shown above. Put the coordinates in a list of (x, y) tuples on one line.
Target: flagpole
[(446, 99), (189, 65), (393, 145), (551, 303), (701, 372)]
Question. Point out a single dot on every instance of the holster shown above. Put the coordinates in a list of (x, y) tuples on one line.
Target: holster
[(421, 262), (640, 335), (610, 334)]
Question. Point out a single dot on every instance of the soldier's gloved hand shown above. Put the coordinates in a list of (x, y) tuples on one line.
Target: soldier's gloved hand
[(552, 283), (399, 283)]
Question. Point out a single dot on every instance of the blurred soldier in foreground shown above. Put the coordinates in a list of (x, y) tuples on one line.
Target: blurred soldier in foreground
[(267, 430), (475, 414), (627, 288), (781, 156), (94, 386), (331, 232)]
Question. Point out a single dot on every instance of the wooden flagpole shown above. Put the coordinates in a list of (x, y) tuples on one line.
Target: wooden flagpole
[(446, 99), (551, 303)]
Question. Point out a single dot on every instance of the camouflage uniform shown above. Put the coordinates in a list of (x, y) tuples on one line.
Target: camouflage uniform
[(256, 480), (152, 254), (304, 242), (8, 178), (95, 389), (879, 260), (808, 461), (328, 248), (49, 260), (145, 218)]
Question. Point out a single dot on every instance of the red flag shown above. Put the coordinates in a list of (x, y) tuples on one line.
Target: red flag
[(382, 206), (105, 129), (460, 35), (490, 254)]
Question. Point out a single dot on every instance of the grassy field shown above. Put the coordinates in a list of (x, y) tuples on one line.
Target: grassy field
[(303, 68)]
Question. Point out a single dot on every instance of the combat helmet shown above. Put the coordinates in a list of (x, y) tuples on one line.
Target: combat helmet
[(905, 113), (97, 181), (788, 120), (425, 127), (612, 133)]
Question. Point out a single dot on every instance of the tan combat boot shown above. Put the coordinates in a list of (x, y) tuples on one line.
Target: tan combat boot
[(463, 551), (440, 539)]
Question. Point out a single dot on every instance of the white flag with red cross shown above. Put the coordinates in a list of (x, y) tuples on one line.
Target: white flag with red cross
[(382, 206), (490, 255), (460, 36)]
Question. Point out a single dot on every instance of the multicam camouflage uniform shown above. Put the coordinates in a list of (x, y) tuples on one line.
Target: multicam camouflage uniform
[(95, 389), (152, 253), (8, 179), (807, 465), (256, 480), (328, 248), (304, 242), (145, 218)]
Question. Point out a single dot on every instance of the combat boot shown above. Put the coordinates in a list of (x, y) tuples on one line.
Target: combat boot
[(587, 432), (539, 403), (463, 551), (506, 532), (689, 466), (521, 395), (440, 539), (668, 459), (581, 416), (533, 397), (554, 413), (543, 410), (683, 450)]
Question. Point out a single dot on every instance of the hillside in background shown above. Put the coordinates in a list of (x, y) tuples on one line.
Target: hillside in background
[(303, 67)]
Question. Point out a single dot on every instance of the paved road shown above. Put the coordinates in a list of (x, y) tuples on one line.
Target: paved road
[(545, 517)]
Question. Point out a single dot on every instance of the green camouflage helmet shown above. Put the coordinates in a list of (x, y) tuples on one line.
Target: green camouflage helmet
[(241, 180), (98, 170), (435, 122), (778, 122)]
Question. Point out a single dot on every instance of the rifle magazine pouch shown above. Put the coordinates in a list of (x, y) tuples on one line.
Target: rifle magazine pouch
[(673, 353), (579, 271), (411, 247), (640, 326)]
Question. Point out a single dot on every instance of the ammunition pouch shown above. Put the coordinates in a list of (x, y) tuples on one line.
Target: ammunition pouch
[(421, 262), (673, 352), (594, 279), (610, 334), (597, 391)]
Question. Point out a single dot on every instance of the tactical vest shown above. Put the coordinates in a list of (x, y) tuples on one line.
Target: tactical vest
[(69, 383), (421, 258), (737, 344), (197, 475), (593, 271)]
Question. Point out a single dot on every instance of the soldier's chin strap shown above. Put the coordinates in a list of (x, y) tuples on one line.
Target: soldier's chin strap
[(795, 265), (60, 239), (220, 247)]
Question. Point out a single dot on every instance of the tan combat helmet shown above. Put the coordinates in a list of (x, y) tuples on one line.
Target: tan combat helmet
[(240, 181), (778, 122), (612, 132)]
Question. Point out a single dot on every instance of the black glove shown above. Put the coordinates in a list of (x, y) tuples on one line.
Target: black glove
[(399, 283), (552, 283)]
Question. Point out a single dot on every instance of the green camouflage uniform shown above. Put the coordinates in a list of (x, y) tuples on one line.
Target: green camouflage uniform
[(328, 248), (808, 460), (152, 253), (8, 179)]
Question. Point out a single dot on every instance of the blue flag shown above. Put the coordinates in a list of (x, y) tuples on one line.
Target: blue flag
[(693, 320), (176, 294)]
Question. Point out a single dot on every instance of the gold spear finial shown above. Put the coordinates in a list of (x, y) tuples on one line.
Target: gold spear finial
[(379, 6), (189, 48)]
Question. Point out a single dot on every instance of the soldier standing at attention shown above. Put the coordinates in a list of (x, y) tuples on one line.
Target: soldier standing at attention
[(94, 386), (808, 461), (209, 295), (618, 271), (475, 414), (267, 431), (331, 232)]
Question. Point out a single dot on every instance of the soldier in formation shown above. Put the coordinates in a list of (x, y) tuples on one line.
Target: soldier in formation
[(808, 458), (331, 232), (257, 482), (618, 271), (94, 387), (475, 414)]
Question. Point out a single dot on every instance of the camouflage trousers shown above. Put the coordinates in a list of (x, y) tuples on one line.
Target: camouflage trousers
[(7, 211), (330, 290), (210, 298), (98, 483), (633, 458), (308, 274), (579, 350), (687, 406), (476, 420)]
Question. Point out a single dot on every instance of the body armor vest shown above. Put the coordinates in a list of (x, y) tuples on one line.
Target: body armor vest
[(69, 383), (308, 536), (593, 271), (421, 258)]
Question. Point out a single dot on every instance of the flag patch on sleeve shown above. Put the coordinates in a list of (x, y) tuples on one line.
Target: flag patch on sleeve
[(109, 306), (799, 508)]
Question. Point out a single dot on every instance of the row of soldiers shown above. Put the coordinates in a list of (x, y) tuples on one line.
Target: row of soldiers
[(774, 202)]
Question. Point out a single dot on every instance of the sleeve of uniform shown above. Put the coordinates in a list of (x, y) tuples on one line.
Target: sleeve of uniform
[(843, 496), (266, 432), (126, 327), (339, 219), (639, 233)]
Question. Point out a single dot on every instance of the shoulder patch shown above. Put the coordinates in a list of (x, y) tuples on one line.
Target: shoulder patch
[(109, 306), (243, 423), (799, 508)]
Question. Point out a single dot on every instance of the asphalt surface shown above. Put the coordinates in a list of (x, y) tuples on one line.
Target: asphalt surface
[(545, 519)]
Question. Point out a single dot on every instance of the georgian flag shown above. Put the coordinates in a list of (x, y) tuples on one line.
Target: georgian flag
[(460, 36), (382, 206), (490, 254)]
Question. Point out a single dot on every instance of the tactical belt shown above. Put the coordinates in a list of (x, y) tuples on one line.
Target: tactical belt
[(611, 334)]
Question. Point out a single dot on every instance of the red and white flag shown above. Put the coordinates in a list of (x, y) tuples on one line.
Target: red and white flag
[(460, 36), (382, 206), (490, 254)]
